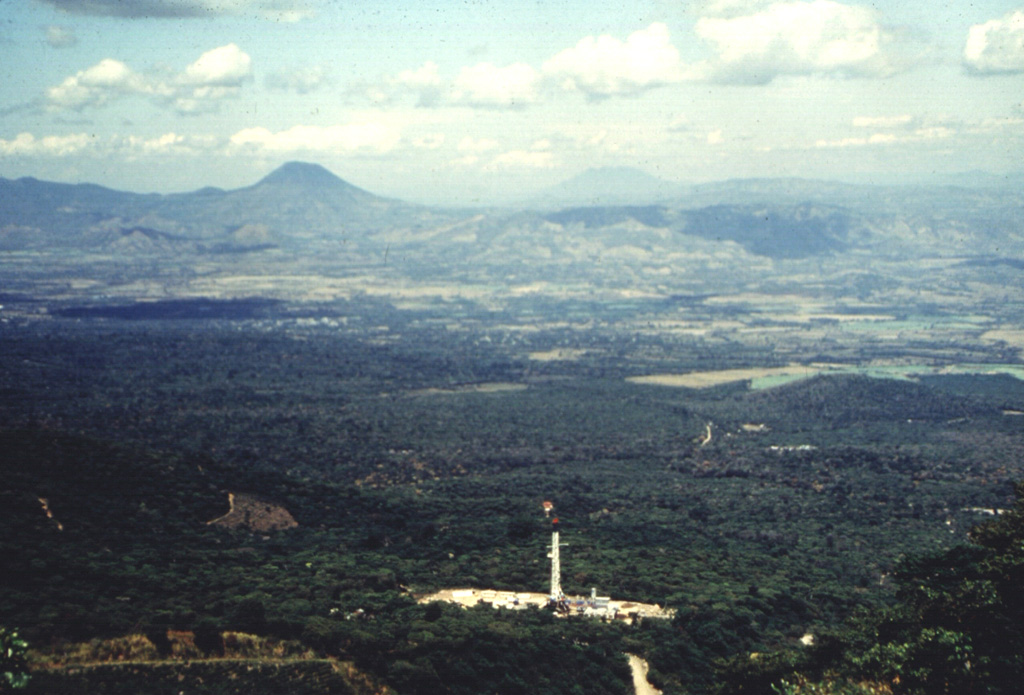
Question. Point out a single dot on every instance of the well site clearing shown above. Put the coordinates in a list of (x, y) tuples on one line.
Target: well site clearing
[(593, 606), (520, 600)]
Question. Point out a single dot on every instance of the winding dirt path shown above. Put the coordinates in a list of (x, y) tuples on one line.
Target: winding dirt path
[(640, 683)]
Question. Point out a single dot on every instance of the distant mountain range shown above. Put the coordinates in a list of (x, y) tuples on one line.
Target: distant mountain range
[(631, 186), (620, 214), (606, 186), (295, 202)]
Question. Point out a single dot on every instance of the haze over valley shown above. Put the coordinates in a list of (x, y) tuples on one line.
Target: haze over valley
[(781, 265)]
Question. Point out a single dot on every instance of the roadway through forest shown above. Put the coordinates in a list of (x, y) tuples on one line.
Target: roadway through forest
[(640, 683)]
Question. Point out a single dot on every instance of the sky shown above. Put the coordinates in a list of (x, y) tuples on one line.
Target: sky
[(481, 101)]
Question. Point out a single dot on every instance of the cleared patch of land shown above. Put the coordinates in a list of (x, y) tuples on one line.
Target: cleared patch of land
[(519, 600), (254, 514), (769, 377), (701, 380), (1010, 336), (558, 354), (490, 387)]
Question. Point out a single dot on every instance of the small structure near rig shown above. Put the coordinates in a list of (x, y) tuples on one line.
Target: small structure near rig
[(593, 606)]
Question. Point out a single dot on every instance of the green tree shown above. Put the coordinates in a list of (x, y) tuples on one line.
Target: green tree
[(249, 615), (209, 637), (958, 628), (13, 666)]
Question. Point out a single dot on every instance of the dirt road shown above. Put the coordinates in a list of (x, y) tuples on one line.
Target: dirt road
[(640, 683)]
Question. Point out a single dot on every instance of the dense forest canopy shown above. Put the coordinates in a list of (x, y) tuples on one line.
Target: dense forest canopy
[(420, 462)]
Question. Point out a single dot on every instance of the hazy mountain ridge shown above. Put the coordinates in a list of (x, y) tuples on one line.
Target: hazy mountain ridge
[(780, 231), (296, 201), (606, 186), (306, 209)]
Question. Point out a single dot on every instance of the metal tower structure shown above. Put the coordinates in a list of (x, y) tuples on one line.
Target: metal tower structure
[(556, 565)]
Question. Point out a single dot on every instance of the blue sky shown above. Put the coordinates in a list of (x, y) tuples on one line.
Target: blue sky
[(479, 101)]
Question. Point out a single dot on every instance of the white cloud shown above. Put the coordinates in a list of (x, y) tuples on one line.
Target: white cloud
[(599, 67), (997, 46), (683, 129), (485, 84), (26, 144), (217, 74), (110, 74), (920, 134), (60, 37), (168, 142), (299, 80), (482, 85), (466, 161), (680, 123), (430, 141), (727, 8), (172, 144), (935, 132), (796, 38), (901, 121), (225, 66), (276, 10), (876, 139), (522, 159), (424, 76), (425, 82), (202, 100), (990, 125), (799, 37), (373, 138), (605, 66), (473, 145), (96, 85)]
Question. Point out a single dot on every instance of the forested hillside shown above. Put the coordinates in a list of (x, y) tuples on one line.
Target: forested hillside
[(417, 463)]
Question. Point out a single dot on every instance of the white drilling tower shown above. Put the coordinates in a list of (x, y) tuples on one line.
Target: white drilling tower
[(556, 566), (556, 594)]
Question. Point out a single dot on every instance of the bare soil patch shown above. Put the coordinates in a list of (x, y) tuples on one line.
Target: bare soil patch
[(490, 387), (640, 683), (519, 600), (255, 514), (700, 380)]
